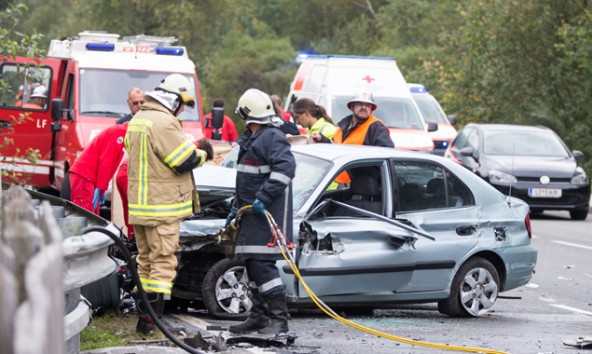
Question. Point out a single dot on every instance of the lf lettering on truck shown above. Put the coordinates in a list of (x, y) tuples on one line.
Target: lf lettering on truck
[(332, 80), (77, 90)]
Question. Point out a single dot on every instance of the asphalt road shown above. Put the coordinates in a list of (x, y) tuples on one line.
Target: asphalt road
[(555, 305)]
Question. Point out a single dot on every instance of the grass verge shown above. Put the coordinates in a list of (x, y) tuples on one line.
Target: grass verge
[(111, 329)]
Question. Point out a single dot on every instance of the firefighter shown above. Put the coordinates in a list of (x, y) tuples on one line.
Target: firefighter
[(362, 127), (265, 170), (161, 190)]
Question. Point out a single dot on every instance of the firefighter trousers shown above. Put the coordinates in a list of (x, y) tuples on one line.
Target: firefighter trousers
[(157, 262)]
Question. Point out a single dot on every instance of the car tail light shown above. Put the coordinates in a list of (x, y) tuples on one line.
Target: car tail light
[(527, 223)]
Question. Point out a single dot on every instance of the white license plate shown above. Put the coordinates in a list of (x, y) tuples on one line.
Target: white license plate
[(544, 192)]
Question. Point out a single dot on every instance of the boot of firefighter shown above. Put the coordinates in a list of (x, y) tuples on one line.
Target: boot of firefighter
[(159, 309), (145, 323), (258, 318), (278, 313)]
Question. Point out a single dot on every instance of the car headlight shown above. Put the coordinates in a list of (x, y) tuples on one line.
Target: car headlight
[(580, 178), (499, 177)]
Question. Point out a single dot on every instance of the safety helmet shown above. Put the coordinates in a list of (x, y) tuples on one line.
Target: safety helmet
[(362, 97), (39, 91), (255, 105), (180, 86)]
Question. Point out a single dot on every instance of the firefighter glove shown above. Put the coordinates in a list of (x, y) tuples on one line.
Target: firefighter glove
[(259, 207), (96, 197), (230, 216)]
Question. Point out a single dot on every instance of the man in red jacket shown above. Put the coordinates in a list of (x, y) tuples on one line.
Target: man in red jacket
[(94, 168)]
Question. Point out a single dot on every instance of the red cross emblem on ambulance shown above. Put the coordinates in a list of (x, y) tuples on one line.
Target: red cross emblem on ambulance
[(368, 79)]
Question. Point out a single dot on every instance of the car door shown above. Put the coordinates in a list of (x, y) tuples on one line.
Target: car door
[(351, 253), (432, 198)]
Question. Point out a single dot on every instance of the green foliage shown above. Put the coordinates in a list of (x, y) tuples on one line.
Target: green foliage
[(510, 61)]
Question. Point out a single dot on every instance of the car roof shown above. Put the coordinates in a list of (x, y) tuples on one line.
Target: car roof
[(509, 127), (336, 152)]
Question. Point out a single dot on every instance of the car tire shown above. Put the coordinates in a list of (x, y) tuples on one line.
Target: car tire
[(578, 214), (474, 290), (225, 290)]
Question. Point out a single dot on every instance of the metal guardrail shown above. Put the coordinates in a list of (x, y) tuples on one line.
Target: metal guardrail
[(45, 256)]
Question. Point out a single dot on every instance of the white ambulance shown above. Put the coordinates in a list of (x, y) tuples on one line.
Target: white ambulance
[(432, 112), (332, 80)]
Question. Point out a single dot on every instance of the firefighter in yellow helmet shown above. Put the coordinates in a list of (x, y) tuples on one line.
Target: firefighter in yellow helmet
[(161, 190)]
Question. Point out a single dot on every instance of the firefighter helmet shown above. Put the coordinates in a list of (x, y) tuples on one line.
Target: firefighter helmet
[(39, 91), (180, 86), (362, 97), (255, 105)]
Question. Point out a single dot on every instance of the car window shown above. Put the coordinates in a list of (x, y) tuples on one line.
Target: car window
[(473, 141), (531, 143), (461, 139), (422, 186), (360, 186)]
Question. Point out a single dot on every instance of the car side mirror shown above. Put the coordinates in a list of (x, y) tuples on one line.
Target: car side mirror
[(57, 108), (467, 151), (217, 117), (432, 126), (577, 154), (452, 119)]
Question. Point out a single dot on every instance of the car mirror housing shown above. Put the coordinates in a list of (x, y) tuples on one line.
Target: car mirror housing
[(577, 154)]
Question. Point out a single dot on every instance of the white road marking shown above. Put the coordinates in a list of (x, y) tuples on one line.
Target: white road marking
[(532, 285), (573, 309), (572, 244)]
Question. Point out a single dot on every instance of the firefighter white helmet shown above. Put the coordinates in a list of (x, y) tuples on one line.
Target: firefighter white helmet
[(255, 105), (362, 97), (180, 86), (39, 91)]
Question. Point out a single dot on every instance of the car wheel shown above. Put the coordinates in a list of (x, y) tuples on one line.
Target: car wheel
[(225, 290), (578, 214), (474, 290)]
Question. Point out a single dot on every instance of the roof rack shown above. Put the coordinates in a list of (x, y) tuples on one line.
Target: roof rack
[(150, 40)]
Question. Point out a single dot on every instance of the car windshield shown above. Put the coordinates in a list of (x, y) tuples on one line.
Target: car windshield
[(104, 92), (525, 143), (430, 109), (310, 171), (395, 112)]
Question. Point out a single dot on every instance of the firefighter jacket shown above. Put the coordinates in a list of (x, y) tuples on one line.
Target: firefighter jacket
[(100, 159), (265, 170), (156, 145), (372, 131)]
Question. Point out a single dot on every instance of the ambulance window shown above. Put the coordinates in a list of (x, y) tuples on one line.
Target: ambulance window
[(26, 86), (315, 78)]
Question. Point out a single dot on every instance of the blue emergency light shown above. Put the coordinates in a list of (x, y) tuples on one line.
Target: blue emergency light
[(418, 89), (170, 51), (101, 47)]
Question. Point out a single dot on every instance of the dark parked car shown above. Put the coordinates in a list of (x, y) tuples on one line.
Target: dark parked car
[(410, 227), (528, 162)]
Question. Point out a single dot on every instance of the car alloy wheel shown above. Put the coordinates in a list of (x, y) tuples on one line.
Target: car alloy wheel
[(226, 290), (474, 290)]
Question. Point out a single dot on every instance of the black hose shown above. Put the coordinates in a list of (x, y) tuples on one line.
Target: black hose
[(132, 264)]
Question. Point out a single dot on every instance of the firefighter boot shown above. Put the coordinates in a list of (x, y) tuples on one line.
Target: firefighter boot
[(145, 323), (258, 318), (278, 312)]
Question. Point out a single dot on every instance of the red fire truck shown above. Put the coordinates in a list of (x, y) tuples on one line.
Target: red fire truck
[(54, 106)]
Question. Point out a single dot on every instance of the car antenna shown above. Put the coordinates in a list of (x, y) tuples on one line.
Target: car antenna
[(512, 174)]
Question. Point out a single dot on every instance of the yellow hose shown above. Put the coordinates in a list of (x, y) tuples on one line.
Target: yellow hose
[(281, 242)]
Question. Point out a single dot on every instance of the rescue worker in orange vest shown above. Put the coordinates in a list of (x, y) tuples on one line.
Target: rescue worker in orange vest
[(161, 190), (361, 127)]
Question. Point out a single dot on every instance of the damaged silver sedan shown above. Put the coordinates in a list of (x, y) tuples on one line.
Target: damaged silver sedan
[(405, 228)]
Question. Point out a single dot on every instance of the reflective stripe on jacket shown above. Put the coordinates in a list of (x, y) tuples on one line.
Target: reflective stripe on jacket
[(156, 144)]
